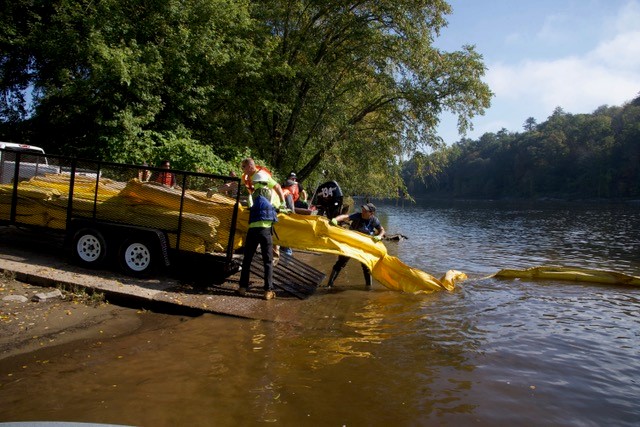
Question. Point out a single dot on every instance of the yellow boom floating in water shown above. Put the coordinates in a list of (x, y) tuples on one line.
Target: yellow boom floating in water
[(575, 274), (314, 233)]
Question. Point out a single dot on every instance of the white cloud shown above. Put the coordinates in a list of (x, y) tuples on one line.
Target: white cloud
[(574, 61), (609, 74), (622, 52), (573, 83)]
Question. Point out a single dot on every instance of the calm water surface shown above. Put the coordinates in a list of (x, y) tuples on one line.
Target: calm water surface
[(492, 352)]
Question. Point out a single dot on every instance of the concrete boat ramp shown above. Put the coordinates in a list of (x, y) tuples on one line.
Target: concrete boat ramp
[(39, 260)]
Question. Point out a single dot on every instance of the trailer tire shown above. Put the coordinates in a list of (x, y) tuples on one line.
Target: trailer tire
[(89, 248), (137, 256)]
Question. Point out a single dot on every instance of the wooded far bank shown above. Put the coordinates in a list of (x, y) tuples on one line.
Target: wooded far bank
[(569, 156)]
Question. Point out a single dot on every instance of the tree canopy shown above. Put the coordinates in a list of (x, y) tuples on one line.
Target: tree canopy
[(329, 89)]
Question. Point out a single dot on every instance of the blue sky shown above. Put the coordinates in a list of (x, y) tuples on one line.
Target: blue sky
[(543, 54)]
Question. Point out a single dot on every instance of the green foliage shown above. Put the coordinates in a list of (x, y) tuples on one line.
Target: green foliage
[(112, 73), (188, 154), (568, 156), (329, 89), (357, 80)]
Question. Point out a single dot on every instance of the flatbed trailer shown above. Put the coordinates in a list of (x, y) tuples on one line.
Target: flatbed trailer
[(110, 217)]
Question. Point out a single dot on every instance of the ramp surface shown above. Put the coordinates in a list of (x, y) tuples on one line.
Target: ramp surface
[(290, 275)]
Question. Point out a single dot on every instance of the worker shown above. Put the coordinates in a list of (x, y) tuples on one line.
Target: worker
[(229, 188), (144, 174), (365, 222), (262, 215), (249, 172), (328, 199), (166, 178)]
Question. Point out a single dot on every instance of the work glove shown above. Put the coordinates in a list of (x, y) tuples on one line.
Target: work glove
[(334, 221), (284, 211), (376, 239)]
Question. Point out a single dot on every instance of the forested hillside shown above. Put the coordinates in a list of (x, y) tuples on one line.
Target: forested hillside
[(568, 156)]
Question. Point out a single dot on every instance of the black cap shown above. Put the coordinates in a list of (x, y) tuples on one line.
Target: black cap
[(369, 207)]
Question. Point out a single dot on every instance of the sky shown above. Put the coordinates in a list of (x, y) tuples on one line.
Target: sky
[(543, 54)]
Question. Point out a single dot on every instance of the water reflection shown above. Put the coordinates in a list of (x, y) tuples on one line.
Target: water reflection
[(482, 238), (383, 315), (492, 352)]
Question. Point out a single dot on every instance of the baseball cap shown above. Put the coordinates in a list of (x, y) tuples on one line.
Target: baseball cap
[(370, 207)]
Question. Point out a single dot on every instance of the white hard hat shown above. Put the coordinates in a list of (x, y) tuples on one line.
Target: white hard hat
[(260, 176)]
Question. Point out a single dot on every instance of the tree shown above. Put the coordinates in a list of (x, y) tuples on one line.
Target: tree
[(352, 85), (349, 87), (15, 61), (119, 79), (530, 124)]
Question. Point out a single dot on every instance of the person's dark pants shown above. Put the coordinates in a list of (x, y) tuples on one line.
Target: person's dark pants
[(339, 265), (258, 236)]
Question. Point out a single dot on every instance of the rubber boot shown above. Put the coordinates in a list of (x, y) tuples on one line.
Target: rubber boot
[(332, 277), (367, 280)]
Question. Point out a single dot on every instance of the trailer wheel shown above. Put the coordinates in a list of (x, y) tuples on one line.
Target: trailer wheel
[(89, 248), (137, 257)]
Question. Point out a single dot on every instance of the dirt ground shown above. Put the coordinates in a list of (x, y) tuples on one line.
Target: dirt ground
[(27, 326)]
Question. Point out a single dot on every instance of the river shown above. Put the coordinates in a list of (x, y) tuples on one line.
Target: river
[(491, 352)]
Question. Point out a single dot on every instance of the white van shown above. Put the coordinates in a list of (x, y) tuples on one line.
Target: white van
[(32, 162)]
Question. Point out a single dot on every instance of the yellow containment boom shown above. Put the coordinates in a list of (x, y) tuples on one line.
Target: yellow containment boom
[(44, 201), (575, 274), (314, 233)]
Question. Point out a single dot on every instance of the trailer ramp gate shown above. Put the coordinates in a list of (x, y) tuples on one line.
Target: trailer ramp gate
[(290, 275)]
